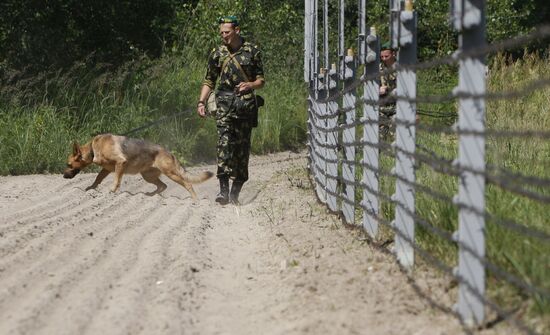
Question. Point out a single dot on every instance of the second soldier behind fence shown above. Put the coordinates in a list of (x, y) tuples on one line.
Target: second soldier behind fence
[(388, 84), (238, 66)]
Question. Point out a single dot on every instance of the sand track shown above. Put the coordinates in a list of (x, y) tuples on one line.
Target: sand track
[(76, 262)]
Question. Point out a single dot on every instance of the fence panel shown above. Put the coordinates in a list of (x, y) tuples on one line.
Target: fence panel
[(469, 169)]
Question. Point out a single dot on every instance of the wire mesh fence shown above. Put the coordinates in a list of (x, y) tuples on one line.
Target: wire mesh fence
[(369, 174)]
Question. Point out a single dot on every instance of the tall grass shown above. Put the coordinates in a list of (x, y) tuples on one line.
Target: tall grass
[(41, 116), (524, 257), (527, 258)]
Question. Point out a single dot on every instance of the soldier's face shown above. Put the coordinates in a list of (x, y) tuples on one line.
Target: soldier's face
[(387, 56), (228, 33)]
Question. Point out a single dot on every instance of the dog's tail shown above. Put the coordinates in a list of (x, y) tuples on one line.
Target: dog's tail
[(198, 178)]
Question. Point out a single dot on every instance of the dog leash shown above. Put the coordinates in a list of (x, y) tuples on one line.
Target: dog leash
[(159, 121)]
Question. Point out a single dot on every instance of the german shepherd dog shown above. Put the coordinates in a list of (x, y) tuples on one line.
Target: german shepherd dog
[(120, 154)]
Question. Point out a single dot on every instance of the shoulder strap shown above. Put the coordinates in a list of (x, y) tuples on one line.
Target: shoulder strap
[(232, 58)]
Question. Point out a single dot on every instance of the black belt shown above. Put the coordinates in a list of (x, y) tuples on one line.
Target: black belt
[(226, 93)]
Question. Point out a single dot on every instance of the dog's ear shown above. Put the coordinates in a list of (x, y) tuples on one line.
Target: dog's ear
[(76, 149)]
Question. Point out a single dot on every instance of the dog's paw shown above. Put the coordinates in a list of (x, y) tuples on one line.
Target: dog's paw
[(91, 187)]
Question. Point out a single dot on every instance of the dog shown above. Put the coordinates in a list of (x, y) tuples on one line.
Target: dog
[(124, 155)]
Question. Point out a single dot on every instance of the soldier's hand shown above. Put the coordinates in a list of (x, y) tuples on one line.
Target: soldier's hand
[(201, 110), (383, 90), (244, 86)]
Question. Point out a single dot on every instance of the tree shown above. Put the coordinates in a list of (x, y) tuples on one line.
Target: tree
[(40, 34)]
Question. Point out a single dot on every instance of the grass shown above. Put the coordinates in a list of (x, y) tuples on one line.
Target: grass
[(44, 114), (526, 258)]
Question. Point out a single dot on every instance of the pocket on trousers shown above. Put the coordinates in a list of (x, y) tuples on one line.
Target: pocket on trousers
[(224, 103)]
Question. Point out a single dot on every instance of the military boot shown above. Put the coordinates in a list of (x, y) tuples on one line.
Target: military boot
[(235, 191), (223, 196)]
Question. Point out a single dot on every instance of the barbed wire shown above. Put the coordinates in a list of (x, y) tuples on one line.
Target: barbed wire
[(497, 133), (457, 171), (435, 262), (449, 167), (436, 129), (416, 287), (506, 223), (493, 268), (325, 146), (538, 33), (514, 177)]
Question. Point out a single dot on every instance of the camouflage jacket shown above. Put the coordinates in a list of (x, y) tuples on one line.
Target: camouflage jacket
[(248, 56), (389, 80)]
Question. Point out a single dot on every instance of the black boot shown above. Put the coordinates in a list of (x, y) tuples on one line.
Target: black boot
[(223, 196), (235, 191)]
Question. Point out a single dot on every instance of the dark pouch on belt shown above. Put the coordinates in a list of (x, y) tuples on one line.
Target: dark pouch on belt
[(259, 101)]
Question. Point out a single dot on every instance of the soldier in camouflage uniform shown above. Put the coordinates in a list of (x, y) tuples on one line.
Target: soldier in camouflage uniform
[(238, 66), (388, 84)]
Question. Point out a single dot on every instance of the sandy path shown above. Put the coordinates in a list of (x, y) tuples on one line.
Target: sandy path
[(75, 262)]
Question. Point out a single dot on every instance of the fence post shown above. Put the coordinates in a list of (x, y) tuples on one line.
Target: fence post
[(321, 125), (307, 37), (362, 47), (310, 74), (332, 141), (348, 138), (320, 109), (395, 6), (405, 138), (341, 40), (370, 135), (469, 20)]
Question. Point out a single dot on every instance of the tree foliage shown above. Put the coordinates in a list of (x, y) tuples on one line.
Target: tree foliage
[(42, 34), (505, 19), (52, 34), (276, 26)]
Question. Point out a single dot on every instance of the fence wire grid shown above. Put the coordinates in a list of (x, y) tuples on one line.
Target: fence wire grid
[(356, 154)]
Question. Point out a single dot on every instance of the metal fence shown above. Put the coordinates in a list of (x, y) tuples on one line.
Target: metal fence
[(344, 140)]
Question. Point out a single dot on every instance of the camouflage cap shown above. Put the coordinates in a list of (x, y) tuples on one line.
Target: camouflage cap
[(229, 19)]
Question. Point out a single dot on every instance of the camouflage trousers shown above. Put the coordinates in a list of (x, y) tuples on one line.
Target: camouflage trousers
[(233, 149), (235, 118), (387, 125)]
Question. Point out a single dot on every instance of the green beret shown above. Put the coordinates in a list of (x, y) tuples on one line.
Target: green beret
[(386, 46), (229, 19)]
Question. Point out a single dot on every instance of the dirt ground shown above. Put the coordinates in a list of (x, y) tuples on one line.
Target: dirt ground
[(76, 262)]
